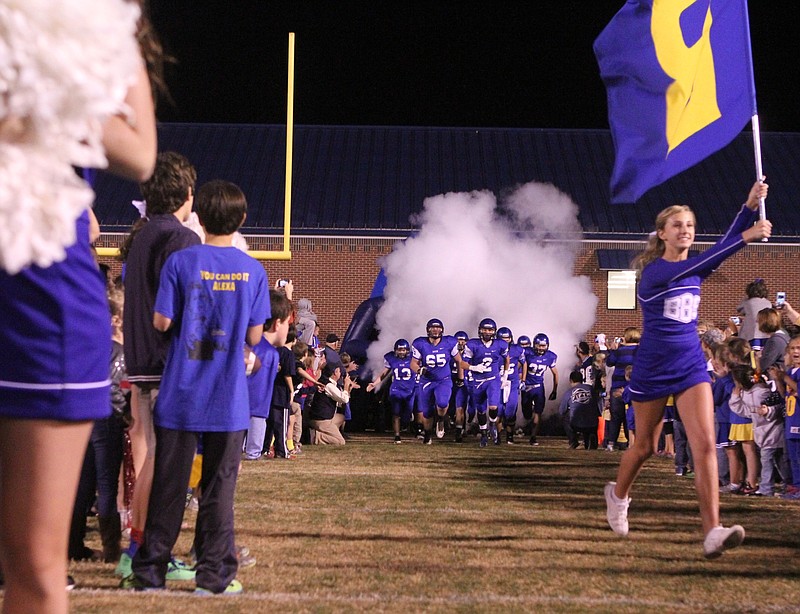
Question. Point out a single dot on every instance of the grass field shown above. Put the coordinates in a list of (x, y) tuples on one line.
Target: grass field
[(374, 526)]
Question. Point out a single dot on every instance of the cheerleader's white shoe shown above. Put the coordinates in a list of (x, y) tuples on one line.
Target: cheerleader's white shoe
[(719, 539), (616, 510)]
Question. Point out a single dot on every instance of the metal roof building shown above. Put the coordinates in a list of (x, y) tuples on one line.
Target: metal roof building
[(369, 180)]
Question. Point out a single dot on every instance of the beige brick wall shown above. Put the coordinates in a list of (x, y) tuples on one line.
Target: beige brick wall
[(337, 273)]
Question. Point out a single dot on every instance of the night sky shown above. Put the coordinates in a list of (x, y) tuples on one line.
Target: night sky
[(436, 63)]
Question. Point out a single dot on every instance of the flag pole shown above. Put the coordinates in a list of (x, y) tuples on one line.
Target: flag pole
[(762, 207), (287, 206)]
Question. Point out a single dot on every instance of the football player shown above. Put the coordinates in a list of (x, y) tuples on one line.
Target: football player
[(509, 397), (486, 357), (536, 361), (430, 359), (401, 392), (459, 398)]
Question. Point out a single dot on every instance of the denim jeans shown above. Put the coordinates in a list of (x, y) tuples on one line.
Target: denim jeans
[(255, 438), (99, 474), (772, 458), (683, 454), (107, 442)]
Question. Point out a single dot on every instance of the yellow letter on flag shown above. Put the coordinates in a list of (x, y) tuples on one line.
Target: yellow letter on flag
[(692, 97)]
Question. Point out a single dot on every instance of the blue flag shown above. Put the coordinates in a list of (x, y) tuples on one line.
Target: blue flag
[(680, 86)]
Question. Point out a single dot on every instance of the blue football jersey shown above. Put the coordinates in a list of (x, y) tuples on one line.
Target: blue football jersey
[(403, 378), (515, 358), (435, 358), (538, 365), (493, 356)]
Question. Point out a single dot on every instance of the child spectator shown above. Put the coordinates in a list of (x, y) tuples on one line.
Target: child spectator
[(742, 427), (349, 371), (282, 392), (721, 390), (630, 416), (110, 437), (683, 453), (260, 384), (668, 429), (103, 458), (215, 298), (752, 398), (294, 408), (580, 403), (621, 356), (792, 425), (302, 377)]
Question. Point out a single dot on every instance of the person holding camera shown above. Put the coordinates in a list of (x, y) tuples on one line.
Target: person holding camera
[(791, 313), (285, 286), (670, 361)]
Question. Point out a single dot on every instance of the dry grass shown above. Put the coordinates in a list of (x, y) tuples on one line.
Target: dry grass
[(378, 527)]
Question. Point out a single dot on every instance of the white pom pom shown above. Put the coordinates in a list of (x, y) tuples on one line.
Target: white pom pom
[(65, 67)]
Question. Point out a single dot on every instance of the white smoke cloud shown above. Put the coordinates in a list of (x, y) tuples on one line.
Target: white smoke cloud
[(474, 258)]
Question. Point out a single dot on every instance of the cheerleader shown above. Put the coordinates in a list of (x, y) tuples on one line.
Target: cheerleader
[(75, 92), (670, 360)]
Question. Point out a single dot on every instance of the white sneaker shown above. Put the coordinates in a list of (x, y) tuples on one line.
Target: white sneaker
[(616, 511), (440, 429), (719, 539)]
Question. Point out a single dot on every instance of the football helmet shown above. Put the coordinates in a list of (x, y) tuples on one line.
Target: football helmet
[(401, 348), (487, 329), (432, 324), (504, 333), (541, 344), (461, 336), (524, 341)]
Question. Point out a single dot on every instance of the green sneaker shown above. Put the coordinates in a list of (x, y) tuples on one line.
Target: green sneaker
[(178, 570), (123, 569), (132, 583), (234, 588)]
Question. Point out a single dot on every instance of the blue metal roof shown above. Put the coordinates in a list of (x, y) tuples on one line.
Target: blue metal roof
[(371, 179)]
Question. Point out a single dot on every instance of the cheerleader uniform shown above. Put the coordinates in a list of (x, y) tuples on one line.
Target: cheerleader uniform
[(670, 359), (55, 335)]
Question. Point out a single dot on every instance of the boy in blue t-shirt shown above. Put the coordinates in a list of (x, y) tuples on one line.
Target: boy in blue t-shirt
[(261, 383), (213, 298)]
